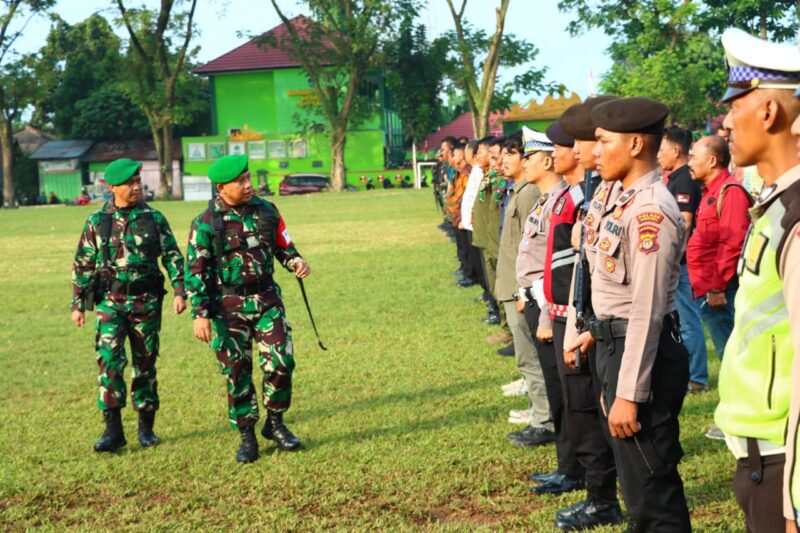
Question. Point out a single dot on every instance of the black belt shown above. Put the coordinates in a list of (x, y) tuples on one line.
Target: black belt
[(614, 328), (247, 290), (135, 288)]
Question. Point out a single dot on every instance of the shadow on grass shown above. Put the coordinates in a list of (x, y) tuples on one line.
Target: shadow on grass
[(415, 396), (448, 421)]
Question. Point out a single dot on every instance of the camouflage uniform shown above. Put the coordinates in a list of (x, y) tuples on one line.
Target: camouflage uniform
[(132, 305), (244, 303)]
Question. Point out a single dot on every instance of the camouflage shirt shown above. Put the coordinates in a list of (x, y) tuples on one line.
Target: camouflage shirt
[(247, 257), (132, 251)]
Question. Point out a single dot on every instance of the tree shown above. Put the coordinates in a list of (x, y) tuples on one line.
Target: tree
[(155, 69), (669, 49), (16, 84), (336, 51), (415, 77), (499, 49)]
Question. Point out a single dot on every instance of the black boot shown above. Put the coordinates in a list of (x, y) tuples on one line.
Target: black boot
[(248, 451), (275, 429), (146, 436), (589, 514), (113, 438)]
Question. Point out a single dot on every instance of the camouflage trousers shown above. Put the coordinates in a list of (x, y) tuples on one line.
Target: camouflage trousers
[(139, 319), (263, 319)]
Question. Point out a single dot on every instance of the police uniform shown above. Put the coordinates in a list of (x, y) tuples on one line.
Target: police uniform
[(229, 281), (530, 271), (116, 266), (580, 387), (756, 385), (634, 242)]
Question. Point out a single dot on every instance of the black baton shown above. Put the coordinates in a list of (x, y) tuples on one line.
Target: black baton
[(308, 308)]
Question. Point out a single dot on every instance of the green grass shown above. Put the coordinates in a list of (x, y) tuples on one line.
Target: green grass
[(402, 419)]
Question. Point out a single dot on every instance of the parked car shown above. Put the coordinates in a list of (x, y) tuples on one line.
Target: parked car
[(304, 184)]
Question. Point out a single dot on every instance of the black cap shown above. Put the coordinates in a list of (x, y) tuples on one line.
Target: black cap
[(559, 136), (631, 115), (577, 119)]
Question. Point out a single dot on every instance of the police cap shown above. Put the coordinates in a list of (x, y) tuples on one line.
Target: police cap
[(577, 119), (631, 115)]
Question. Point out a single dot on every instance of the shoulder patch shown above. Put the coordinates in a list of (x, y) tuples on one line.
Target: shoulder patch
[(683, 198), (652, 218)]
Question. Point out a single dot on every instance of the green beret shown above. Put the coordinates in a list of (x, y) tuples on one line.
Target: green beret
[(119, 171), (227, 168), (631, 115), (577, 119)]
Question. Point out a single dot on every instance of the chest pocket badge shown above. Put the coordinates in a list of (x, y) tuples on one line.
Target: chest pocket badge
[(754, 253)]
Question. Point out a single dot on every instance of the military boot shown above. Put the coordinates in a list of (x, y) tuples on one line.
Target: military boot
[(146, 436), (113, 438), (275, 429), (248, 451)]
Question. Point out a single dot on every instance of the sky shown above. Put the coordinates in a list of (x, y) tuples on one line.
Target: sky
[(225, 24)]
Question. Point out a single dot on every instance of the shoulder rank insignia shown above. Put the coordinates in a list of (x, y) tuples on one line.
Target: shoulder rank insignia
[(626, 197), (766, 192)]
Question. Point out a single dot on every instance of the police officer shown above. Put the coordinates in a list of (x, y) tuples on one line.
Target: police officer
[(635, 238), (754, 380), (116, 268), (229, 281), (583, 426)]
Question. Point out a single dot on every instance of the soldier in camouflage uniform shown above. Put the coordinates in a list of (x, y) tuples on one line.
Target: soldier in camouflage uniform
[(116, 268), (229, 280)]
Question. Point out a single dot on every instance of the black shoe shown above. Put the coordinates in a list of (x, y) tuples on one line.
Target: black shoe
[(146, 436), (542, 477), (248, 451), (466, 282), (508, 351), (567, 512), (457, 273), (491, 319), (114, 437), (558, 485), (275, 429), (531, 437), (591, 514)]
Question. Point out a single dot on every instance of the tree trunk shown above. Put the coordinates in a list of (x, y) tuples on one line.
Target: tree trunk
[(338, 141), (6, 146), (165, 161), (762, 20)]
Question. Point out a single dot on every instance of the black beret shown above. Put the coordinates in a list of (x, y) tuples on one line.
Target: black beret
[(559, 136), (577, 119), (631, 115)]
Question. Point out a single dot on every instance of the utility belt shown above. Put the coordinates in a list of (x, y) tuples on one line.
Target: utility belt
[(617, 328), (154, 283), (247, 290)]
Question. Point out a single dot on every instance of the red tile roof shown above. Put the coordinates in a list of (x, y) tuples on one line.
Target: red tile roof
[(461, 126), (252, 56)]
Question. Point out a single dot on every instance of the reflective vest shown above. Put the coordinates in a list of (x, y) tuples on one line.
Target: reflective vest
[(755, 378)]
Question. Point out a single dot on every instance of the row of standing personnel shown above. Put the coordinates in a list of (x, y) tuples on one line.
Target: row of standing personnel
[(228, 279), (632, 236)]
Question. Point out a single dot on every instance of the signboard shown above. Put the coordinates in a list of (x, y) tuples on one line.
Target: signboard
[(236, 148), (257, 149), (277, 149), (197, 151), (216, 150), (298, 148), (58, 165)]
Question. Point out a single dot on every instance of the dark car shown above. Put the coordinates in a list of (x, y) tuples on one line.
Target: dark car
[(304, 184)]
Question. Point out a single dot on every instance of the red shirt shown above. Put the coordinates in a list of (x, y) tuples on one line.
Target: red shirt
[(713, 249)]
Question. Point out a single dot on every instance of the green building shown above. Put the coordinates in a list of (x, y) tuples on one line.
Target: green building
[(259, 98)]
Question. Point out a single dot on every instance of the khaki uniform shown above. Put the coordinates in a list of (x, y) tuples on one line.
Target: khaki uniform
[(634, 243), (521, 199)]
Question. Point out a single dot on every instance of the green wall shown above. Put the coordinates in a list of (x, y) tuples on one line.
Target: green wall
[(67, 185), (244, 98)]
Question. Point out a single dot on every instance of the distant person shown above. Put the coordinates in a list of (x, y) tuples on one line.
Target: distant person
[(673, 156), (370, 184), (387, 183), (83, 199), (406, 183), (712, 253), (53, 199), (116, 270)]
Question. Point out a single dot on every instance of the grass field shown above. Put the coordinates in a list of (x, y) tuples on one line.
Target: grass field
[(402, 419)]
